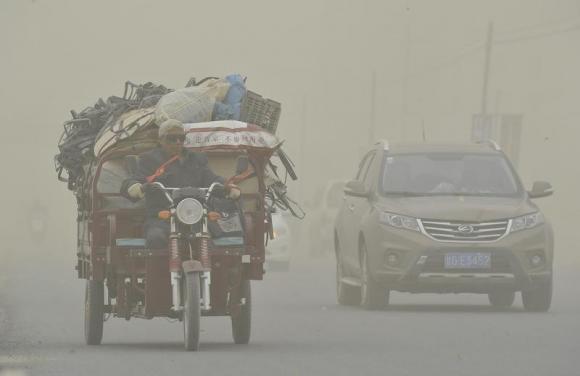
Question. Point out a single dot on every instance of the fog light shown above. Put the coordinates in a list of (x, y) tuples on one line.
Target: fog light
[(536, 260), (392, 259)]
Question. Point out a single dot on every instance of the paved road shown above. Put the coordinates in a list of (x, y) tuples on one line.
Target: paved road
[(298, 330)]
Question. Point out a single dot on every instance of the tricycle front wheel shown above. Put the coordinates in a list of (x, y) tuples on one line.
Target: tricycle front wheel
[(191, 311), (94, 312), (242, 321)]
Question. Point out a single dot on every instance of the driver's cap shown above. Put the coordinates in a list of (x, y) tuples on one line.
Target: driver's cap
[(168, 125)]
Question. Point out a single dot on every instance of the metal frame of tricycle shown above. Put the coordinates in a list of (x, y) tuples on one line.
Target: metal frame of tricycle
[(130, 266)]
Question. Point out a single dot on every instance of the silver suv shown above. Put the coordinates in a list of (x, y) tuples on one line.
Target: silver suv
[(442, 219)]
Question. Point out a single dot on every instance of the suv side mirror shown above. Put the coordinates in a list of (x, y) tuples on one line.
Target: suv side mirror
[(356, 188), (541, 189)]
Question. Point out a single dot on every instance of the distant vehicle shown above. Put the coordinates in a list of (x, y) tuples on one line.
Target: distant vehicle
[(278, 249), (442, 219), (37, 221), (323, 208)]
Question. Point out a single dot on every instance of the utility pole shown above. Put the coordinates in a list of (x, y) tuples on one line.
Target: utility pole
[(405, 109), (373, 108), (487, 63), (303, 138)]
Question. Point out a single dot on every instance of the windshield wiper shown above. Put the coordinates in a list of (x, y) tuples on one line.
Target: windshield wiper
[(407, 194), (453, 194), (468, 194)]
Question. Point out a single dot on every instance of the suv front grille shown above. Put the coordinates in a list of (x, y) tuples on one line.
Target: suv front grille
[(465, 232)]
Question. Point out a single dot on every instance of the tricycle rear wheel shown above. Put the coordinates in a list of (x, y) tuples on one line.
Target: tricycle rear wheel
[(94, 312), (191, 311), (242, 321)]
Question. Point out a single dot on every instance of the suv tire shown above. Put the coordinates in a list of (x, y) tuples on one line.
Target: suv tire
[(373, 295), (539, 298), (502, 299), (345, 294)]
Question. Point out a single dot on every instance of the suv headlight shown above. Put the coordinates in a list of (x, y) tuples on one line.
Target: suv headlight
[(189, 211), (527, 221), (399, 221)]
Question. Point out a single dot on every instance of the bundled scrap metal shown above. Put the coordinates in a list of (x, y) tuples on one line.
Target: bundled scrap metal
[(95, 129), (80, 133), (277, 191)]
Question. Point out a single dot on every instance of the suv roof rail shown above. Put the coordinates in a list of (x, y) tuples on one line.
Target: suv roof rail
[(384, 143), (492, 144)]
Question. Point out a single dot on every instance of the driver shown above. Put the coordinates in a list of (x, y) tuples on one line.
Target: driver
[(173, 166)]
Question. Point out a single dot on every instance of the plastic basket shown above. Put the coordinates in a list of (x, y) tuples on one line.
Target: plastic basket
[(260, 111)]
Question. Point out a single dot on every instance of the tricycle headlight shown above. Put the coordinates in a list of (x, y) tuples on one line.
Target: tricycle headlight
[(527, 221), (189, 211), (399, 221)]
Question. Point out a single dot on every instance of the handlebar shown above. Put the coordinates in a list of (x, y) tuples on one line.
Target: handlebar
[(207, 192), (160, 186)]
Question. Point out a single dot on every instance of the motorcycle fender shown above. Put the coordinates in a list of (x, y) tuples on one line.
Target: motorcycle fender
[(191, 266)]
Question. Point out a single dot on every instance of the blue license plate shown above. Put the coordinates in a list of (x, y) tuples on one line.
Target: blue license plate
[(459, 260)]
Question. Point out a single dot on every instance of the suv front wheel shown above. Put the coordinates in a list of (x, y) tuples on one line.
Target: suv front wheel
[(345, 294), (373, 295), (539, 298)]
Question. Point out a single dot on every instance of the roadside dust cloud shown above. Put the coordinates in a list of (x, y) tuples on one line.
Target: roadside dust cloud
[(347, 74)]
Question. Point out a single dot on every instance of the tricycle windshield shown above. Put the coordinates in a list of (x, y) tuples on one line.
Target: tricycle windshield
[(113, 173)]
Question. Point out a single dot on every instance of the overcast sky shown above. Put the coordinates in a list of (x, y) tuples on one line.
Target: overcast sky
[(319, 58)]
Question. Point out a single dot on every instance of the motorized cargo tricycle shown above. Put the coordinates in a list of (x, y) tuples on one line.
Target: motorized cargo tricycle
[(216, 245)]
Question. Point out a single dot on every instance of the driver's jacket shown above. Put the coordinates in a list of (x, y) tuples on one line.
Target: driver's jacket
[(191, 170)]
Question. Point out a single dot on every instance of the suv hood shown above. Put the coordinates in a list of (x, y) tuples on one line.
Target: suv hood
[(458, 208)]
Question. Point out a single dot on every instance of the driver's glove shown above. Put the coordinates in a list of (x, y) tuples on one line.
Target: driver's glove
[(136, 191), (234, 192)]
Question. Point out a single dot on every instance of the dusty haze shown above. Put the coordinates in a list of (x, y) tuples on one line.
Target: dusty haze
[(319, 58)]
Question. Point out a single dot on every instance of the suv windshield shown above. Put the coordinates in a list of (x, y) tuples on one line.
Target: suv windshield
[(448, 174)]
